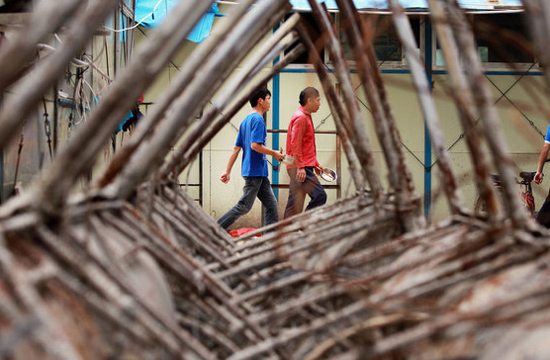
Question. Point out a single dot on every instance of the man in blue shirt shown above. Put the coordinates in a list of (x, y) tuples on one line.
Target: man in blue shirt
[(252, 139), (543, 216)]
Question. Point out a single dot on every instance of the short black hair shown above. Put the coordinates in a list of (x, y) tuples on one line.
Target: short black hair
[(308, 93), (260, 94)]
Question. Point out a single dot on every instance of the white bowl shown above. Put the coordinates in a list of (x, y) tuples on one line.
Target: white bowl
[(329, 175)]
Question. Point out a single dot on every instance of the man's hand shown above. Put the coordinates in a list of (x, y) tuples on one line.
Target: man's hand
[(301, 175), (259, 147), (278, 155), (225, 177), (319, 170), (538, 177)]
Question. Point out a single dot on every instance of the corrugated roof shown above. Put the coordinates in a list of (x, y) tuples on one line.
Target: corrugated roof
[(415, 4), (150, 13)]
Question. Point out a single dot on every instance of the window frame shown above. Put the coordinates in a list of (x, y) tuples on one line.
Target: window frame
[(496, 66), (403, 64), (382, 64)]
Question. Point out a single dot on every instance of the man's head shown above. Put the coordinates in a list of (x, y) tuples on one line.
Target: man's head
[(310, 99), (261, 98)]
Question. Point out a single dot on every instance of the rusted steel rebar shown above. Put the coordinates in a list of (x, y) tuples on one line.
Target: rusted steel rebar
[(423, 91), (384, 123), (359, 154), (464, 101), (146, 273), (488, 117), (89, 140), (21, 48), (281, 40), (356, 123), (539, 14), (183, 112), (203, 132), (31, 88), (187, 72)]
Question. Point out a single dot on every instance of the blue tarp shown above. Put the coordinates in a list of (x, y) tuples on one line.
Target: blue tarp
[(151, 13)]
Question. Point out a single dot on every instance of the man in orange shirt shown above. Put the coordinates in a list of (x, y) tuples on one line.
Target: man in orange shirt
[(300, 143)]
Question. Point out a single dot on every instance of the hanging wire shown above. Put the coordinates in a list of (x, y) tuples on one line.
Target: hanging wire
[(503, 95), (138, 23), (47, 129), (19, 150), (322, 122)]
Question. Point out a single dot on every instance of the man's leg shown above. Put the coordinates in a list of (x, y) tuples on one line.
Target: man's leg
[(314, 189), (296, 195), (266, 196), (543, 217), (250, 191)]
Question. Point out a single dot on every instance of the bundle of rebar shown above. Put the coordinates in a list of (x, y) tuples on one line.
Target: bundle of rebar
[(131, 267)]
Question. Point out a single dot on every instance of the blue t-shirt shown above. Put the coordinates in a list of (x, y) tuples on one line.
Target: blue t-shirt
[(547, 138), (252, 130)]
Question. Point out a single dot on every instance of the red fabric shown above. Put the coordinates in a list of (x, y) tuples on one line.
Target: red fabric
[(242, 231), (300, 141), (529, 200)]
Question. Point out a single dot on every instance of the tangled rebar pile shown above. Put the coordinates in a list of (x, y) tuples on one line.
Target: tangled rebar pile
[(132, 268)]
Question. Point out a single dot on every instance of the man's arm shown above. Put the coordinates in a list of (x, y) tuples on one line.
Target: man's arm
[(264, 150), (232, 158), (298, 131), (297, 138), (542, 159)]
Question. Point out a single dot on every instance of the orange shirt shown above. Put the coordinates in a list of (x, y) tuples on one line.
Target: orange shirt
[(300, 141)]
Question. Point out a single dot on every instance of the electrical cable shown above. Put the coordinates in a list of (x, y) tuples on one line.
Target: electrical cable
[(47, 129), (21, 139), (138, 23)]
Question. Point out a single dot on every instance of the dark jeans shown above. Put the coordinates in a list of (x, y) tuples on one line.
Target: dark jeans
[(254, 187), (298, 190), (543, 217)]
